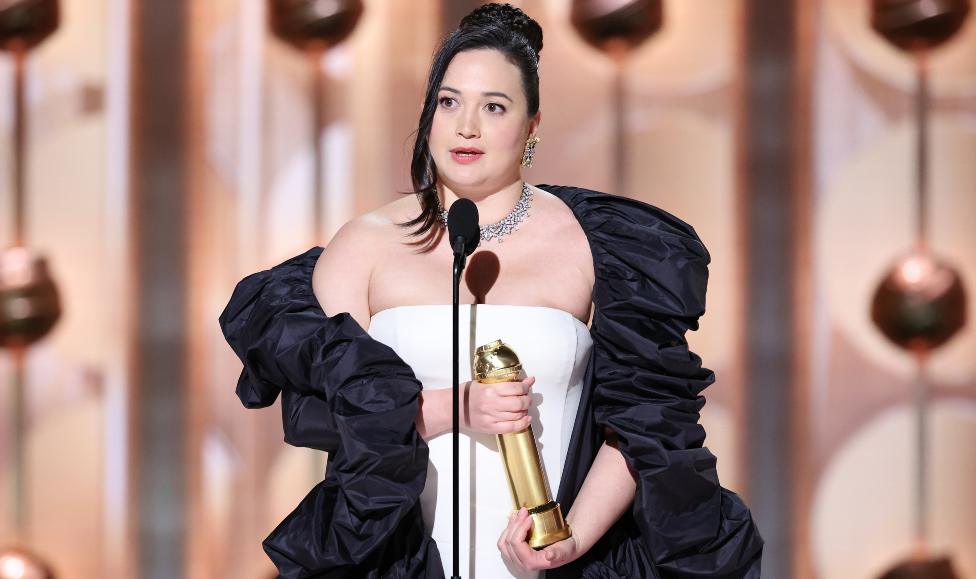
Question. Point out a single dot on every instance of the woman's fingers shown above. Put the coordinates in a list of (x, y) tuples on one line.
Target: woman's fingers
[(508, 536), (513, 403), (513, 425), (503, 540), (515, 548), (499, 408), (514, 388), (518, 541), (503, 416), (510, 397)]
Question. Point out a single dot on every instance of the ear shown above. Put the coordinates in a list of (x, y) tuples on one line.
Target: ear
[(534, 122)]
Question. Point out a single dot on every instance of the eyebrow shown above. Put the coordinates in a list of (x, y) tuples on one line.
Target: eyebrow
[(489, 93)]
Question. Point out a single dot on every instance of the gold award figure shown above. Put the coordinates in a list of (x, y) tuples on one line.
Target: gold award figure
[(497, 362)]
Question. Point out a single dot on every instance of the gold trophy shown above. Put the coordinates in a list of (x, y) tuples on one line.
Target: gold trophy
[(497, 362)]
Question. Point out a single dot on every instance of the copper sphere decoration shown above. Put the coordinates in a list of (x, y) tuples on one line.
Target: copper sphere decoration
[(922, 569), (609, 25), (920, 304), (314, 24), (27, 22), (29, 304), (918, 24), (19, 564)]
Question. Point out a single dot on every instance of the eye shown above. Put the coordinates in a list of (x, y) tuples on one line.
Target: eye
[(495, 108), (445, 101)]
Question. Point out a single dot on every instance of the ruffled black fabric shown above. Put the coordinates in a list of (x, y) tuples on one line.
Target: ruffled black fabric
[(645, 385), (352, 396), (347, 394)]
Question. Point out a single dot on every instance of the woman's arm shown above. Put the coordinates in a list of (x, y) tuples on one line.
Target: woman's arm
[(341, 276), (434, 414), (608, 490)]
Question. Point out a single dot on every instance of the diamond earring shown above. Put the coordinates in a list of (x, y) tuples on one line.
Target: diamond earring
[(529, 151)]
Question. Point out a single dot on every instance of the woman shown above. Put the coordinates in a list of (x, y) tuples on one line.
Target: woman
[(595, 292)]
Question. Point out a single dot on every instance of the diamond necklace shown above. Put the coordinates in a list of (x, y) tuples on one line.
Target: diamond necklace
[(510, 223)]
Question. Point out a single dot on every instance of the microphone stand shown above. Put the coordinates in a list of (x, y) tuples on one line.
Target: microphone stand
[(459, 260)]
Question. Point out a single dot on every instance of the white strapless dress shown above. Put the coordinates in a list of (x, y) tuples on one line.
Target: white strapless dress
[(554, 346)]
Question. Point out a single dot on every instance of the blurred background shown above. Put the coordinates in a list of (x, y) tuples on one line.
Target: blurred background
[(152, 153)]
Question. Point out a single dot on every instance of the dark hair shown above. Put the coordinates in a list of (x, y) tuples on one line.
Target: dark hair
[(501, 27)]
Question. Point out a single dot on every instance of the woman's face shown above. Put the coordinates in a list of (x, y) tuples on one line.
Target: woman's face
[(481, 106)]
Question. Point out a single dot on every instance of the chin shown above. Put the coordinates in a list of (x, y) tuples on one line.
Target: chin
[(463, 179)]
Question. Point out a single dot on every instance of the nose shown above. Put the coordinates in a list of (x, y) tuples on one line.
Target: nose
[(468, 125)]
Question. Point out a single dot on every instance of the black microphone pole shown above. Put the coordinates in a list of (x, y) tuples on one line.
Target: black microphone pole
[(458, 268), (465, 235)]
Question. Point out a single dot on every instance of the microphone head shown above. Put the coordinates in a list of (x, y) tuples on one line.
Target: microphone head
[(462, 221)]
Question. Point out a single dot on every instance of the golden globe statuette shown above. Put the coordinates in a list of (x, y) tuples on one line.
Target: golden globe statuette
[(496, 362)]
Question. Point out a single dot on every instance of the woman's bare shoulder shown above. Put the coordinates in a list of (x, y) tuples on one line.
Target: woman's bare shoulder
[(404, 208), (342, 273), (377, 225)]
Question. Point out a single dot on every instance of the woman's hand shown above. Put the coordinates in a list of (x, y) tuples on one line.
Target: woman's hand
[(520, 556), (497, 408)]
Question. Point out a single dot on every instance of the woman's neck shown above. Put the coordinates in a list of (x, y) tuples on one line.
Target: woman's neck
[(492, 207)]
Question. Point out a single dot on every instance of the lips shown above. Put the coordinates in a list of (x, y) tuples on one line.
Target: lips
[(466, 154)]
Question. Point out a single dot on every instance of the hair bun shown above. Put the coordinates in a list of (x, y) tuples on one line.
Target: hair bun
[(508, 17)]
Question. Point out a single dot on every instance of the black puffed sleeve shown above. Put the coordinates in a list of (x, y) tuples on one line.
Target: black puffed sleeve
[(651, 275), (351, 395)]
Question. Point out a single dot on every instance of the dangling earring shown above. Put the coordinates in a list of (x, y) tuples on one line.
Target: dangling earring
[(529, 151)]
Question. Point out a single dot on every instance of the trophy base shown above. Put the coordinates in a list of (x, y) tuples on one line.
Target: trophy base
[(548, 526)]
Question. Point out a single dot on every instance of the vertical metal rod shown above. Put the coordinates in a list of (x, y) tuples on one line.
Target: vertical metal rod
[(20, 140), (318, 120), (161, 183), (18, 464), (18, 453), (921, 455), (770, 106), (922, 149)]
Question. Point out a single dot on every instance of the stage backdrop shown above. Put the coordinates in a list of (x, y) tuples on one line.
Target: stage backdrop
[(77, 391), (856, 451)]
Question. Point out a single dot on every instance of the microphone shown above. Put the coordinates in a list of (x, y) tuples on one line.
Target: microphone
[(462, 226), (465, 235)]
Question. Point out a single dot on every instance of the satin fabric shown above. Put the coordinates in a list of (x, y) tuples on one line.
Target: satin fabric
[(352, 396)]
